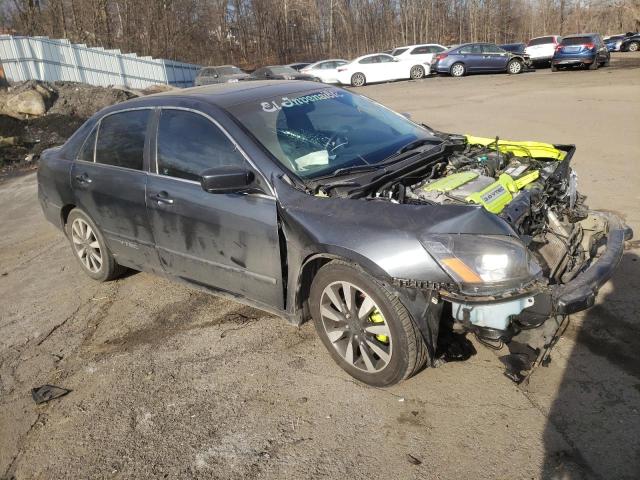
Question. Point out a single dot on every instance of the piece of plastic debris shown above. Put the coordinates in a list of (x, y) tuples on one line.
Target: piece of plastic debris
[(413, 459), (401, 399), (47, 392)]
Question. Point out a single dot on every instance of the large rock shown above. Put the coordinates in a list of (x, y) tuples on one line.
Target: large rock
[(29, 102)]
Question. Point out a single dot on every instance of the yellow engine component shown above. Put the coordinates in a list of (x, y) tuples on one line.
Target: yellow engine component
[(520, 149), (498, 195), (376, 317)]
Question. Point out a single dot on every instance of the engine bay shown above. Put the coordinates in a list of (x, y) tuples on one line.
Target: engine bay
[(528, 184)]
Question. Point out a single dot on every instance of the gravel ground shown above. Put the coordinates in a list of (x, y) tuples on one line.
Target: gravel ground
[(171, 383)]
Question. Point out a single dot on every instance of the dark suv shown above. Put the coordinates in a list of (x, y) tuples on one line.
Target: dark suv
[(307, 200), (583, 50)]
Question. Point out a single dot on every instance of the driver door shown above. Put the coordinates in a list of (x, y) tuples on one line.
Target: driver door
[(225, 241)]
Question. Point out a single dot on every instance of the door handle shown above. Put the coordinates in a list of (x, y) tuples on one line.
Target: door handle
[(162, 197), (83, 178)]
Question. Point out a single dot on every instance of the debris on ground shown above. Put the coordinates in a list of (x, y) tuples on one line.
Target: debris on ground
[(413, 460), (46, 393), (37, 115)]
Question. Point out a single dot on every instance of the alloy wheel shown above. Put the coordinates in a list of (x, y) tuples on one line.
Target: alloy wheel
[(515, 67), (457, 70), (86, 245), (358, 80), (356, 327), (416, 72), (634, 47)]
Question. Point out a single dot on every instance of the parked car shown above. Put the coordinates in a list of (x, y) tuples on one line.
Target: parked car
[(307, 200), (478, 57), (325, 71), (299, 65), (420, 55), (519, 48), (220, 74), (376, 67), (631, 43), (614, 42), (278, 72), (541, 49), (582, 50)]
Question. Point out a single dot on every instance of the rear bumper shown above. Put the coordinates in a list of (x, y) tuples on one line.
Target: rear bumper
[(575, 60)]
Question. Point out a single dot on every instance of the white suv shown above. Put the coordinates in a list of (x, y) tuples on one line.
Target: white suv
[(421, 55), (541, 49)]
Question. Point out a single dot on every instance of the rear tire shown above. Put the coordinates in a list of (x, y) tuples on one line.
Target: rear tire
[(554, 68), (417, 72), (90, 248), (458, 70), (358, 80), (364, 326), (595, 65), (514, 67)]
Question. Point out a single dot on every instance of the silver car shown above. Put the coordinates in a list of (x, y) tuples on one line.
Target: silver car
[(220, 74)]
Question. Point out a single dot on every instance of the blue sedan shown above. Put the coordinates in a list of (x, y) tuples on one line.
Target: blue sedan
[(478, 57)]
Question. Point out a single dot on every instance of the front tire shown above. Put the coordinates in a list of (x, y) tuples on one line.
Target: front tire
[(358, 80), (458, 70), (417, 72), (514, 67), (633, 47), (365, 328), (89, 247)]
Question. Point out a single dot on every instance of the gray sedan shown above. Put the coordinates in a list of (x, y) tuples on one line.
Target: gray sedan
[(310, 201)]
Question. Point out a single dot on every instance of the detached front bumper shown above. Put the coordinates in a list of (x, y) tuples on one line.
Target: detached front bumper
[(580, 293)]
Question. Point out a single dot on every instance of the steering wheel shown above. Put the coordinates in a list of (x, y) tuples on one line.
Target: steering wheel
[(338, 139)]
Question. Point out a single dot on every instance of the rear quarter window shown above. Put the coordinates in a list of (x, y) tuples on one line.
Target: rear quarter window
[(121, 139)]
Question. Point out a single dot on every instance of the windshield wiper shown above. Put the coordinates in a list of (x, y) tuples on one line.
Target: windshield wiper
[(409, 150), (346, 170), (413, 145)]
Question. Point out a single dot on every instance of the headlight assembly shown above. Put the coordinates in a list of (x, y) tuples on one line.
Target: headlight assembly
[(483, 264)]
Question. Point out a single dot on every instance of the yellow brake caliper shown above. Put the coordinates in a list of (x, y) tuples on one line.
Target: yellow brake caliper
[(376, 317)]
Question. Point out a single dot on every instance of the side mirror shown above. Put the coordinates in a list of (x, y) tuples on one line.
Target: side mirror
[(226, 179)]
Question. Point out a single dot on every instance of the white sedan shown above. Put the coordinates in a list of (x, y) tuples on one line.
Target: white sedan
[(376, 67), (326, 70)]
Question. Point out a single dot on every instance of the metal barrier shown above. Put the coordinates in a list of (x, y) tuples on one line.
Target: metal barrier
[(43, 58)]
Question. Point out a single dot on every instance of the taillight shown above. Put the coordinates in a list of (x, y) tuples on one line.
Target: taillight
[(442, 56), (588, 46), (558, 47)]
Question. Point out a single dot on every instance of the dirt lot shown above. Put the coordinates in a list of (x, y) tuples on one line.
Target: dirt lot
[(170, 383)]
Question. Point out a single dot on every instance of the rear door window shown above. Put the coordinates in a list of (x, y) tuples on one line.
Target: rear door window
[(86, 152), (420, 50), (189, 143), (121, 139), (488, 48)]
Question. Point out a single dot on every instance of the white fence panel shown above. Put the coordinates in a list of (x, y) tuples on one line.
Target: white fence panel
[(43, 58)]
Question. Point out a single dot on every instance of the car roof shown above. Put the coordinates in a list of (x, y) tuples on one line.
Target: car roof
[(421, 45), (227, 94)]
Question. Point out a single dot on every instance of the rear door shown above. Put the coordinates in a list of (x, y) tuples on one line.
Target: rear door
[(495, 59), (472, 57), (109, 181), (225, 241)]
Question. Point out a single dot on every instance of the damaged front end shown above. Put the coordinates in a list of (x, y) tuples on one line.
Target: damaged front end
[(515, 289)]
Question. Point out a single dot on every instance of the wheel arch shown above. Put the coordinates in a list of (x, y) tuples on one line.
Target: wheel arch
[(314, 262), (64, 213)]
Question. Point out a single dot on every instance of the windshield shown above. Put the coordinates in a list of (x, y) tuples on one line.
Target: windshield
[(229, 70), (318, 132), (399, 51)]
